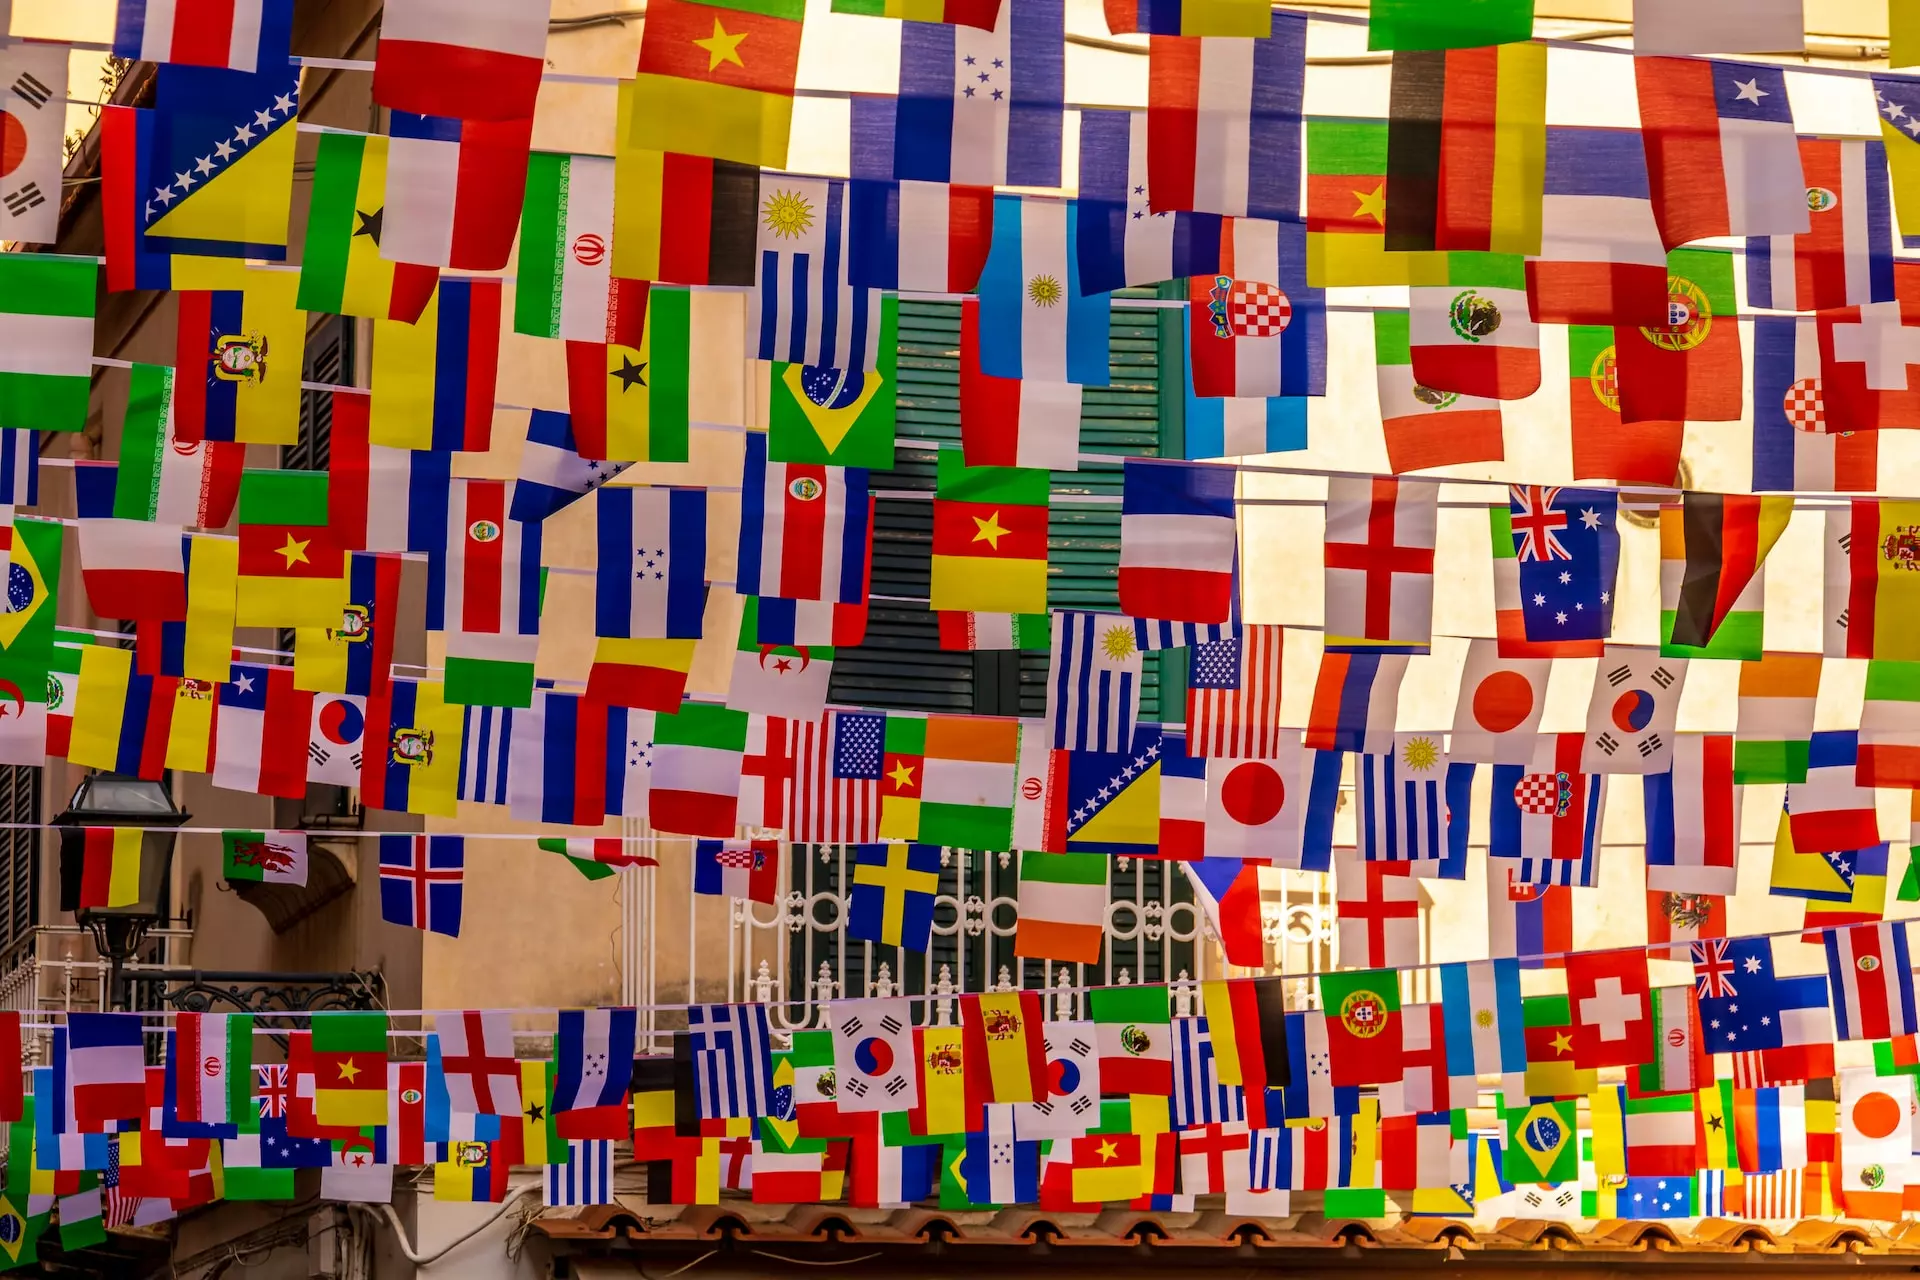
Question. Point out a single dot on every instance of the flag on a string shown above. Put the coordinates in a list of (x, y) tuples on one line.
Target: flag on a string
[(1035, 321), (1722, 158), (1379, 565), (1006, 130), (717, 80), (1223, 122), (1601, 261)]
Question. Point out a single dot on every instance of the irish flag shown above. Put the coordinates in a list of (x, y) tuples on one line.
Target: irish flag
[(1063, 905)]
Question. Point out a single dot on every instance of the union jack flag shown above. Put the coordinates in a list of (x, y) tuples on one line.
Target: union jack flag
[(271, 1089), (1714, 969), (1537, 523)]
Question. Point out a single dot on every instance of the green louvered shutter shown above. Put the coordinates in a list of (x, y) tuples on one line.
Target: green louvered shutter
[(901, 664)]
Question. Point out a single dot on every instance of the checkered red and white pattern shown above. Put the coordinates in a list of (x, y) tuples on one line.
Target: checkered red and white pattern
[(1537, 793), (1804, 407), (1257, 310)]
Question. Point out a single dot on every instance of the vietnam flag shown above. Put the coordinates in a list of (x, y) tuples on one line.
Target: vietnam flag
[(717, 79), (989, 538)]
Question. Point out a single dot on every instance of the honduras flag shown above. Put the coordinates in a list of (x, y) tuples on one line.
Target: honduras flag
[(1123, 239), (983, 107)]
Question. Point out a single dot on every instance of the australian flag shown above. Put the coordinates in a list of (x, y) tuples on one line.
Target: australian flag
[(1740, 994), (1568, 544)]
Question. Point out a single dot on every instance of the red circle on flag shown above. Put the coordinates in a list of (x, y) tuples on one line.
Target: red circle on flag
[(1253, 794), (1503, 701), (13, 143), (1876, 1115)]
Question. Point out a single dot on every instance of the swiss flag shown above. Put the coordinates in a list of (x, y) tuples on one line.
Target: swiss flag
[(1612, 1013), (1870, 360)]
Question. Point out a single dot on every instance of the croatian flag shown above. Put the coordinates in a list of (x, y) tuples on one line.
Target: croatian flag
[(1601, 260), (986, 108), (1846, 256), (1124, 238), (1793, 448), (1035, 322), (929, 236), (1741, 178), (1255, 327), (1177, 541), (1223, 122), (240, 35), (805, 530)]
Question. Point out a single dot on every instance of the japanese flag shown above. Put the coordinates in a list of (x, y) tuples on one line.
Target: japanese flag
[(1630, 718), (1500, 704), (1254, 807)]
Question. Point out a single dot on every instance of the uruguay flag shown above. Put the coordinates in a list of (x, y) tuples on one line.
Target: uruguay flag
[(983, 107), (1034, 321)]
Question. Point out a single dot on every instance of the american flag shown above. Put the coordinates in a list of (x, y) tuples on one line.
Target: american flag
[(271, 1089), (117, 1209), (836, 785), (1233, 696)]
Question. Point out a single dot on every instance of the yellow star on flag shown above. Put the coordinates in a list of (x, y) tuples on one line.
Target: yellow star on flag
[(1373, 204), (902, 775), (1109, 1149), (349, 1071), (1563, 1043), (295, 551), (990, 530), (722, 46)]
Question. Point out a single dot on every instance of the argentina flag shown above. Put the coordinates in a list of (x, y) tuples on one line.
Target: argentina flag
[(805, 311)]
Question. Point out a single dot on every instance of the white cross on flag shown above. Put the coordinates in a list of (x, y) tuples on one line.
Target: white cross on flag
[(1501, 699), (1379, 564), (873, 1058), (476, 1057), (1630, 718), (1870, 362), (1610, 995)]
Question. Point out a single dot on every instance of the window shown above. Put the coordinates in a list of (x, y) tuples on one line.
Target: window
[(19, 854), (329, 362)]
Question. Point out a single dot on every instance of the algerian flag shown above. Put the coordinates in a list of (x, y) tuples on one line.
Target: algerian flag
[(566, 248)]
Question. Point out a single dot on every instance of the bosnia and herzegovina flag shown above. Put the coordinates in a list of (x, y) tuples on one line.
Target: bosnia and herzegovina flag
[(1898, 100), (238, 207)]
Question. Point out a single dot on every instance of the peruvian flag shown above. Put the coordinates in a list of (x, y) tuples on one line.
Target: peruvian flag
[(1611, 1000), (1013, 422)]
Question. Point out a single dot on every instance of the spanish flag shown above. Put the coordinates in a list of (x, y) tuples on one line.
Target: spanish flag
[(717, 79), (1883, 591)]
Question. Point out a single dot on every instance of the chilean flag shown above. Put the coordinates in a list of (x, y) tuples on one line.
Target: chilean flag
[(1722, 157), (1013, 422)]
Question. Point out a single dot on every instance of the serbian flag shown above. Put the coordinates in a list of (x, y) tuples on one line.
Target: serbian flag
[(1013, 422), (1722, 158), (1870, 360), (1846, 257), (1256, 328)]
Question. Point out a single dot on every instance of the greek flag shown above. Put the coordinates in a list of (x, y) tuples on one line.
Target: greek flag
[(1198, 1096), (586, 1177), (732, 1060)]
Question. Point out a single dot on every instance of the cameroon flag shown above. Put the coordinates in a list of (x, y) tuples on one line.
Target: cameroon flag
[(292, 568), (629, 395), (717, 79), (989, 537), (1347, 210), (341, 270)]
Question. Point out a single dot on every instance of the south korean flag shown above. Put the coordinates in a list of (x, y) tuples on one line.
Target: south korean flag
[(1630, 718), (873, 1058), (1072, 1104)]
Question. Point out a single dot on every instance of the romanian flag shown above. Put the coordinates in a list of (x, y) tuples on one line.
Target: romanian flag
[(1467, 149), (109, 870), (628, 396), (717, 79), (341, 270), (1347, 210), (292, 570), (681, 219), (1005, 1044), (139, 725), (640, 673), (1883, 591), (989, 538), (433, 381), (349, 1056), (1722, 540)]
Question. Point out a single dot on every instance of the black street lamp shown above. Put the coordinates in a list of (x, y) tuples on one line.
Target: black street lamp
[(112, 800)]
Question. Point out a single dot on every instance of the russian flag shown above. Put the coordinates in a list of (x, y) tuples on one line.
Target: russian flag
[(1354, 702), (1601, 260), (1035, 322)]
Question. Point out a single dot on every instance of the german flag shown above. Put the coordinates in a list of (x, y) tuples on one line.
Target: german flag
[(1726, 537)]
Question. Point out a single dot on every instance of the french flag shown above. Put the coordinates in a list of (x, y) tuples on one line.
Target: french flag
[(913, 235), (1223, 122), (454, 190), (1255, 327), (1013, 422), (1846, 256), (240, 35), (1722, 158), (1601, 260), (1177, 541), (473, 59), (1124, 238)]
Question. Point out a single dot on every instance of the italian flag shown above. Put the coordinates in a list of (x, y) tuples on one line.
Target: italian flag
[(1063, 906), (698, 753), (566, 248), (596, 857)]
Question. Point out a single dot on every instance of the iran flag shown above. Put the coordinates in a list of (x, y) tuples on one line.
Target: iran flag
[(1498, 716)]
